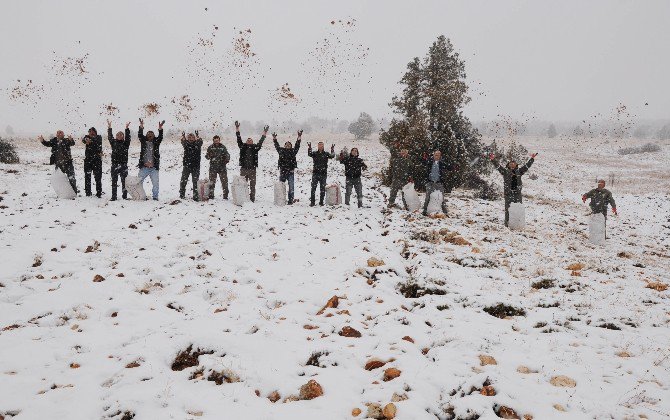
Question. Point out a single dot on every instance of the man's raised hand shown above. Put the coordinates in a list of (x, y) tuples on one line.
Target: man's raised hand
[(299, 133), (141, 123), (274, 135), (266, 128), (109, 124), (127, 125), (533, 155), (196, 134), (492, 157), (160, 125), (40, 138), (237, 125)]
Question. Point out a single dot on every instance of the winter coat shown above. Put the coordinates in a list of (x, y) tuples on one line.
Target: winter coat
[(287, 161), (401, 170), (512, 177), (94, 149), (249, 152), (218, 157), (143, 145), (353, 165), (192, 152), (600, 199), (320, 159), (119, 148), (445, 169), (60, 150)]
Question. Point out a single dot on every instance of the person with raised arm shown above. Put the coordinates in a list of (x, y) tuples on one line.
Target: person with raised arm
[(61, 155), (119, 145), (400, 175), (512, 183), (192, 145), (353, 165), (287, 163), (320, 170), (93, 162), (600, 198), (150, 156), (249, 158)]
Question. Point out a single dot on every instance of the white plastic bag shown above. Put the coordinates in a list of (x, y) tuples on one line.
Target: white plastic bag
[(135, 188), (61, 185), (203, 189), (517, 216), (435, 202), (597, 229), (411, 197), (280, 193), (333, 195), (240, 190)]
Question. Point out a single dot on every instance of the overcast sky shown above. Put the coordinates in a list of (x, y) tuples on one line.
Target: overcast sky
[(550, 60)]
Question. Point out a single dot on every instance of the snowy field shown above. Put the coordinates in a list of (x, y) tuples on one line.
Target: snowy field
[(98, 299)]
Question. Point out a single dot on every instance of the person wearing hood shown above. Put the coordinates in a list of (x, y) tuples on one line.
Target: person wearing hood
[(150, 156), (218, 157), (512, 183), (353, 165), (191, 163), (320, 170), (119, 144), (249, 158), (61, 155), (287, 162)]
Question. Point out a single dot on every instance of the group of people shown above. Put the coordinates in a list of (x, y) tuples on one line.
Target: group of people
[(436, 169), (217, 154)]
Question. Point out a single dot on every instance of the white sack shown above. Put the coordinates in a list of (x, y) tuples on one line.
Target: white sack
[(517, 216), (61, 185)]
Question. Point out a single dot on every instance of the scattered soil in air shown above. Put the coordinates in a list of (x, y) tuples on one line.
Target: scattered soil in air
[(109, 110), (150, 109), (26, 93), (184, 108)]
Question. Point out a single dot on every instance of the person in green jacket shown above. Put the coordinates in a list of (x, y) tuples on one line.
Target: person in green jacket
[(218, 157), (400, 175), (512, 183), (600, 199)]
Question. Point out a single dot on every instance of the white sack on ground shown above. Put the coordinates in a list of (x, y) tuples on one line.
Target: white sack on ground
[(280, 193), (240, 191), (203, 189), (333, 195), (435, 203), (517, 216), (597, 229), (411, 197), (135, 188), (61, 185)]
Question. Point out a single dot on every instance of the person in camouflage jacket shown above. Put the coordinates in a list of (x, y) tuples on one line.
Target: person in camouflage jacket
[(512, 183), (600, 199)]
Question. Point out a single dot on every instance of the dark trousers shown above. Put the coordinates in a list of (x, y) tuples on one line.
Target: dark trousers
[(320, 180), (434, 186), (223, 176), (194, 173), (119, 171), (68, 169), (395, 187), (93, 166), (511, 197), (288, 177), (358, 185), (250, 176)]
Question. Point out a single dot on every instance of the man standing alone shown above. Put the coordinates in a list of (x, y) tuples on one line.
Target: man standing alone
[(438, 171)]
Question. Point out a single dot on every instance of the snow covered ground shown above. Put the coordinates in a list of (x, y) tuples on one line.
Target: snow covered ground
[(245, 287)]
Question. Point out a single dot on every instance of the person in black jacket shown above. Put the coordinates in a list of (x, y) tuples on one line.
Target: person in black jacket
[(353, 165), (61, 156), (287, 162), (512, 183), (320, 171), (192, 150), (218, 157), (249, 158), (150, 156), (438, 172), (93, 161), (119, 145), (401, 173)]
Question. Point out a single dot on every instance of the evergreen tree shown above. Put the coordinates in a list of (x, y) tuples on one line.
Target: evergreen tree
[(362, 127), (551, 132), (430, 116)]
